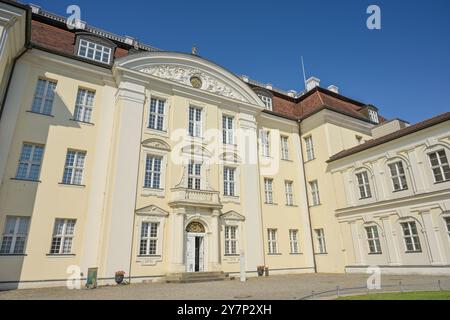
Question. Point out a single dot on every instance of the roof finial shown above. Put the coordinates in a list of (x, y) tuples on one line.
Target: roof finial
[(195, 50)]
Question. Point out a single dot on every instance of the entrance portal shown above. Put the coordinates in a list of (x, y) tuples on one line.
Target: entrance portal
[(195, 248)]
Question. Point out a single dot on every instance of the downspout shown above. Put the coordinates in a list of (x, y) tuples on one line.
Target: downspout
[(307, 198)]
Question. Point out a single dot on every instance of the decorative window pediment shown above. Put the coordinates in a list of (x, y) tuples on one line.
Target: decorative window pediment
[(156, 144), (153, 211), (232, 215), (230, 157)]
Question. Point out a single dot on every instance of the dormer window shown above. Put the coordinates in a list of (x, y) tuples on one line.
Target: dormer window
[(94, 48), (94, 51), (267, 101), (373, 115)]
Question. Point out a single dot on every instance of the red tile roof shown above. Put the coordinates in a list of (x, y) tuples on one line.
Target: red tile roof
[(393, 136)]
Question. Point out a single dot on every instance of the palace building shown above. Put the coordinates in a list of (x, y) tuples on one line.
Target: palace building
[(118, 156)]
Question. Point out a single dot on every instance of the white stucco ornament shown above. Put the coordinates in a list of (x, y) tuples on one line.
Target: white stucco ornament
[(183, 74)]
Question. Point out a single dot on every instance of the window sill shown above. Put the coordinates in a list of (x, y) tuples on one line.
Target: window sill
[(375, 253), (321, 253), (80, 186), (296, 253), (418, 251), (441, 182), (13, 255), (82, 122), (315, 205), (398, 191), (26, 180), (274, 254), (50, 255), (367, 198), (231, 255), (164, 133), (271, 203), (308, 161), (40, 114), (149, 256), (287, 160), (291, 205)]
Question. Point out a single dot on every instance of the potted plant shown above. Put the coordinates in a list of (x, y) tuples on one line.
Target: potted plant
[(261, 271), (119, 276)]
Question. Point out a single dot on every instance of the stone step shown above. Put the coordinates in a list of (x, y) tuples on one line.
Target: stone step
[(196, 277)]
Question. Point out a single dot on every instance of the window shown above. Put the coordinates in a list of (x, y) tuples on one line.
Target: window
[(309, 148), (398, 176), (272, 240), (231, 240), (289, 189), (229, 181), (94, 51), (447, 221), (440, 166), (373, 115), (363, 185), (15, 235), (227, 127), (373, 239), (194, 175), (73, 169), (152, 172), (293, 239), (195, 122), (30, 162), (284, 148), (314, 185), (63, 233), (265, 143), (156, 114), (84, 105), (268, 190), (3, 39), (268, 102), (149, 239), (43, 97), (320, 237), (412, 241)]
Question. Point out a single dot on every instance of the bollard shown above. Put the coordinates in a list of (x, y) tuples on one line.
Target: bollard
[(312, 294), (337, 291), (401, 287), (439, 284)]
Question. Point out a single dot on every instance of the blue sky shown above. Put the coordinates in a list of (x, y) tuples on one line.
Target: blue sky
[(403, 69)]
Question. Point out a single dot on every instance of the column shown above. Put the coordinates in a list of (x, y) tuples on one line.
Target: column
[(177, 238), (215, 239), (122, 205), (356, 236), (431, 234), (391, 242), (248, 147)]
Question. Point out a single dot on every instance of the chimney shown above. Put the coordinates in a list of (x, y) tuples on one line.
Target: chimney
[(292, 93), (269, 86), (35, 8), (388, 127), (333, 88), (311, 83)]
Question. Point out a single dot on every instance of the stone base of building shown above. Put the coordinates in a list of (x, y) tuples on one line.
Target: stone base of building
[(401, 270)]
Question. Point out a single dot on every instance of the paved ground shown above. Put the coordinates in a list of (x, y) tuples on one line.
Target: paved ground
[(271, 288)]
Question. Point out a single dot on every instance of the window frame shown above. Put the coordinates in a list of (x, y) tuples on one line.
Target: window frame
[(14, 236), (74, 167), (309, 148), (268, 191), (193, 124), (268, 101), (294, 241), (159, 118), (315, 194), (284, 141), (265, 143), (373, 116), (228, 183), (149, 239), (289, 192), (97, 47), (398, 176), (321, 242), (83, 110), (373, 239), (363, 184), (230, 241), (30, 162), (228, 133), (193, 177), (416, 245), (272, 241), (440, 165), (62, 237), (447, 223), (149, 174), (45, 96)]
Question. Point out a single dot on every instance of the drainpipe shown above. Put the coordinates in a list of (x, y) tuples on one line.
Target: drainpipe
[(307, 198)]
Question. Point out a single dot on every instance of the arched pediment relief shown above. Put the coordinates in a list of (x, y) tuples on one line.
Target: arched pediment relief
[(193, 71), (196, 151), (156, 144), (230, 157), (195, 227), (232, 215), (185, 75), (152, 210)]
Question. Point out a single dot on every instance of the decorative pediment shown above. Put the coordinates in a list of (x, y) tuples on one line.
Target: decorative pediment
[(152, 210), (232, 215), (185, 75), (196, 150), (156, 144)]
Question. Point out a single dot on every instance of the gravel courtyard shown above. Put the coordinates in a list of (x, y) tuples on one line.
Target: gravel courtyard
[(290, 287)]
